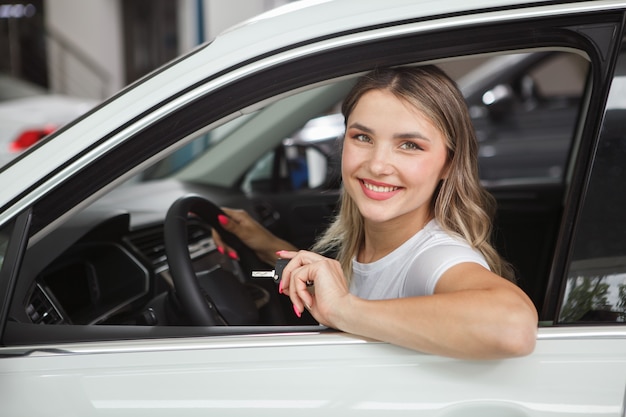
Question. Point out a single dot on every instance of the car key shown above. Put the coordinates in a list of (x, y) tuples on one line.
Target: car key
[(275, 273)]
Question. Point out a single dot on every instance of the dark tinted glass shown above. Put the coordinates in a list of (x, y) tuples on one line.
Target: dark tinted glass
[(596, 280)]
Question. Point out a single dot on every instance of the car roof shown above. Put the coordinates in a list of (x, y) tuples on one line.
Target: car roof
[(283, 31), (311, 12)]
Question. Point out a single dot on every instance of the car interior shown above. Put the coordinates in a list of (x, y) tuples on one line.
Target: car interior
[(109, 269)]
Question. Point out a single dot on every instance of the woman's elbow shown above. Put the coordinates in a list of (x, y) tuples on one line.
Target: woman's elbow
[(521, 336), (522, 343)]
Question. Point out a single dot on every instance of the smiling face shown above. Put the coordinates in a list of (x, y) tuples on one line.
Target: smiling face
[(393, 159)]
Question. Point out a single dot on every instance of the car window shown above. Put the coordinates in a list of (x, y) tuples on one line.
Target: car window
[(595, 289), (204, 142)]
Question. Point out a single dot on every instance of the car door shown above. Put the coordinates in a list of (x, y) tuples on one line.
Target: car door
[(576, 369)]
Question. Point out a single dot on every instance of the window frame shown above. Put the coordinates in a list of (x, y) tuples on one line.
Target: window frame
[(591, 200)]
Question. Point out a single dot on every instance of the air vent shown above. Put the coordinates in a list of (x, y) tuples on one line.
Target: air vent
[(150, 243), (41, 310)]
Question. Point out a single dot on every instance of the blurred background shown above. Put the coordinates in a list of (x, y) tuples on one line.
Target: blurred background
[(93, 48), (60, 58)]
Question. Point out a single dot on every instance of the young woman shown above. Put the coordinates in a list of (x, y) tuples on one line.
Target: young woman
[(415, 266)]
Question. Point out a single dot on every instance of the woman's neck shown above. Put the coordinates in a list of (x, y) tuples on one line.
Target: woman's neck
[(383, 238)]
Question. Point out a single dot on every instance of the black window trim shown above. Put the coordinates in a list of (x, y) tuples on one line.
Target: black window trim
[(602, 77)]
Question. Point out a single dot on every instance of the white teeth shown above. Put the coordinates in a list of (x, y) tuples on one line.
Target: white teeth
[(379, 189)]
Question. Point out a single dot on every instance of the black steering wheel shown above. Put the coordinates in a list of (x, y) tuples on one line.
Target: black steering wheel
[(208, 302)]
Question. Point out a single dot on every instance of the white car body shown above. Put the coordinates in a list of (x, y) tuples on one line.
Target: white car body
[(575, 370), (243, 375)]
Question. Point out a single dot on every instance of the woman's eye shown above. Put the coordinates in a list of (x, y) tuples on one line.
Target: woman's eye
[(362, 138), (410, 146)]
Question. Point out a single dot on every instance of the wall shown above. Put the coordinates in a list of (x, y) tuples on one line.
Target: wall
[(84, 47), (86, 44)]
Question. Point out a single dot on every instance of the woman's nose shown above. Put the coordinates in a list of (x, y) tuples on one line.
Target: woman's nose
[(381, 161)]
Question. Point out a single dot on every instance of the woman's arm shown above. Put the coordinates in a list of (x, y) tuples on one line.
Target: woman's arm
[(473, 313)]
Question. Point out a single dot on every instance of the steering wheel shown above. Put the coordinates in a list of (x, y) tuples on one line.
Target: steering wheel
[(207, 303)]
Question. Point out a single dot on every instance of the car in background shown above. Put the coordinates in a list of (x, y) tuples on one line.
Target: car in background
[(116, 301), (28, 113)]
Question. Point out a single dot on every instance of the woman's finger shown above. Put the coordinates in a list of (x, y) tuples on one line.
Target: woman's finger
[(222, 247), (283, 285), (298, 276), (300, 296)]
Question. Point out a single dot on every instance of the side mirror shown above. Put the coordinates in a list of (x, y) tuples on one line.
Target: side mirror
[(317, 164), (308, 166)]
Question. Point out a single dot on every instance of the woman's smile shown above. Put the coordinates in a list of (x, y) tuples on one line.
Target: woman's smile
[(378, 191)]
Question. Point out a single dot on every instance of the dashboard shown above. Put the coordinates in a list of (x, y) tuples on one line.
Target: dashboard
[(107, 264), (88, 284)]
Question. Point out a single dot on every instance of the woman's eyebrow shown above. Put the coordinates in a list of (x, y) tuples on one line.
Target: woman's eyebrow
[(411, 135), (359, 126), (407, 135)]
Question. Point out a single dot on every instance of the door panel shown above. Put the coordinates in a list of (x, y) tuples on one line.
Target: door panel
[(313, 374)]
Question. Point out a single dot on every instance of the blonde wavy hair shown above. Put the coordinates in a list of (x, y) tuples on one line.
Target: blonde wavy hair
[(460, 204)]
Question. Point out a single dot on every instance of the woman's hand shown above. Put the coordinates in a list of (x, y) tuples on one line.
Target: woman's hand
[(252, 234), (316, 283)]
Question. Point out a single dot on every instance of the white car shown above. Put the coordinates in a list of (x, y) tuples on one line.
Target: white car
[(114, 302), (28, 113)]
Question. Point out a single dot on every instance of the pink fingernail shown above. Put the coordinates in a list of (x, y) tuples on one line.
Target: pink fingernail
[(280, 287), (233, 255), (295, 309), (220, 250), (222, 219)]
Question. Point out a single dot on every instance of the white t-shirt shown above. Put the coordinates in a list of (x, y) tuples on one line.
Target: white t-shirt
[(413, 268)]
